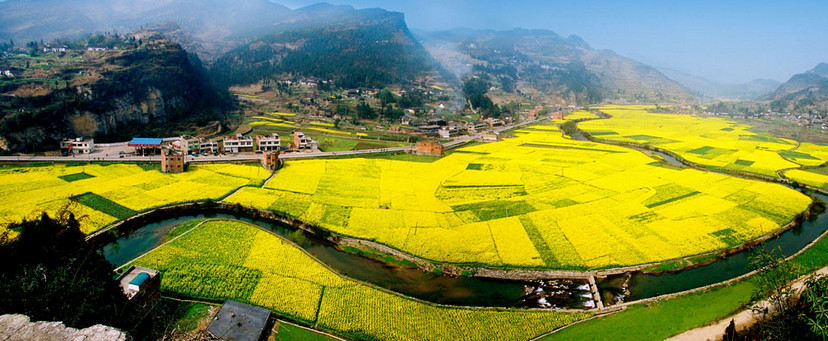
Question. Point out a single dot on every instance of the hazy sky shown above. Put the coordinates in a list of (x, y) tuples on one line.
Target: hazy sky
[(727, 41)]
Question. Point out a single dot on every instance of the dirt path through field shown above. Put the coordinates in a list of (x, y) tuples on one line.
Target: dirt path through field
[(742, 320)]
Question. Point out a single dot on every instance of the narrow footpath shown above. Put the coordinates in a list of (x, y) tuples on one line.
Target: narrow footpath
[(742, 320)]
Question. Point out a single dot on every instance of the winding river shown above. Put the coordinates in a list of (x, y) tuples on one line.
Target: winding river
[(465, 291)]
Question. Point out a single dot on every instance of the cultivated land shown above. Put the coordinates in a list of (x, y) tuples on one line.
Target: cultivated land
[(537, 200), (233, 260), (105, 193), (714, 142)]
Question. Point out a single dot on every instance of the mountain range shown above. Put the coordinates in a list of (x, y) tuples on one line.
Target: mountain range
[(368, 47), (709, 90), (803, 92), (550, 67)]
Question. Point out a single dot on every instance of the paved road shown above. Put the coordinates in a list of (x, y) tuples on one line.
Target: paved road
[(113, 156), (196, 159)]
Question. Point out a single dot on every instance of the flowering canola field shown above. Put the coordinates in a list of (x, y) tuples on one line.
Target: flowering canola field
[(234, 260), (107, 193), (538, 200), (709, 141)]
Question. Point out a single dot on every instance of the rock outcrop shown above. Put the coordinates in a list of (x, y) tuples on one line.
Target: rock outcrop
[(19, 327)]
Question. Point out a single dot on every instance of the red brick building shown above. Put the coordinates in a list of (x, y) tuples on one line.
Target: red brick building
[(172, 161), (429, 148)]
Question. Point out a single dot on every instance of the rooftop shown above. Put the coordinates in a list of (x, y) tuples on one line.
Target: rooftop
[(132, 275), (239, 322), (145, 142)]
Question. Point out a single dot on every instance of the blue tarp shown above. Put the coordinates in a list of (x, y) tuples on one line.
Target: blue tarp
[(145, 142)]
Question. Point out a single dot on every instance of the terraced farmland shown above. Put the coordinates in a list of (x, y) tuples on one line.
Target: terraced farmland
[(233, 260)]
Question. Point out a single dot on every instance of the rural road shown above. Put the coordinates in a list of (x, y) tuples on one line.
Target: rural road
[(101, 156)]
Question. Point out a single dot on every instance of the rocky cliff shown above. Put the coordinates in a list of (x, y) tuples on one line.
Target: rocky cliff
[(155, 88)]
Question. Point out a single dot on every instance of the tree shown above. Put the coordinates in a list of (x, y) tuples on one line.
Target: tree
[(49, 272), (773, 297), (815, 297), (364, 111), (342, 110), (385, 97)]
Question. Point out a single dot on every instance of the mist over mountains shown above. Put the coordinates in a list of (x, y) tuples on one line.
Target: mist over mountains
[(712, 90)]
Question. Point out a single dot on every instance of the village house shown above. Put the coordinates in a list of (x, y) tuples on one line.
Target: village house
[(238, 144), (268, 143), (558, 115), (444, 133), (206, 146), (429, 148), (77, 145), (489, 136), (304, 143), (188, 144), (142, 287), (172, 161), (492, 122), (54, 49), (270, 160)]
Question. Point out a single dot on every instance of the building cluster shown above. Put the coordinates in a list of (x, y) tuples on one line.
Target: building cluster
[(812, 119), (54, 49)]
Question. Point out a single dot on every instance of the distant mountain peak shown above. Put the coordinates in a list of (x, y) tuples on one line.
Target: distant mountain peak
[(821, 68)]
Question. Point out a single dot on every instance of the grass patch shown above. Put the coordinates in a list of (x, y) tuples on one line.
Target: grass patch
[(535, 145), (602, 133), (797, 155), (701, 151), (745, 163), (373, 254), (496, 209), (184, 227), (664, 202), (762, 138), (474, 166), (663, 319), (104, 205), (642, 137), (535, 236), (286, 332), (76, 177), (401, 156)]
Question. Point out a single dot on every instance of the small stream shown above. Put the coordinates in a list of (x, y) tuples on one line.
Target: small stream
[(443, 289)]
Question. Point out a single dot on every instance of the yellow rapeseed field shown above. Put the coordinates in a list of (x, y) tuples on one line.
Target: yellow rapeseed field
[(110, 192), (233, 260), (709, 141), (537, 200)]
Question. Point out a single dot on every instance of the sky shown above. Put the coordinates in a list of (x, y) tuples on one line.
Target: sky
[(724, 41)]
